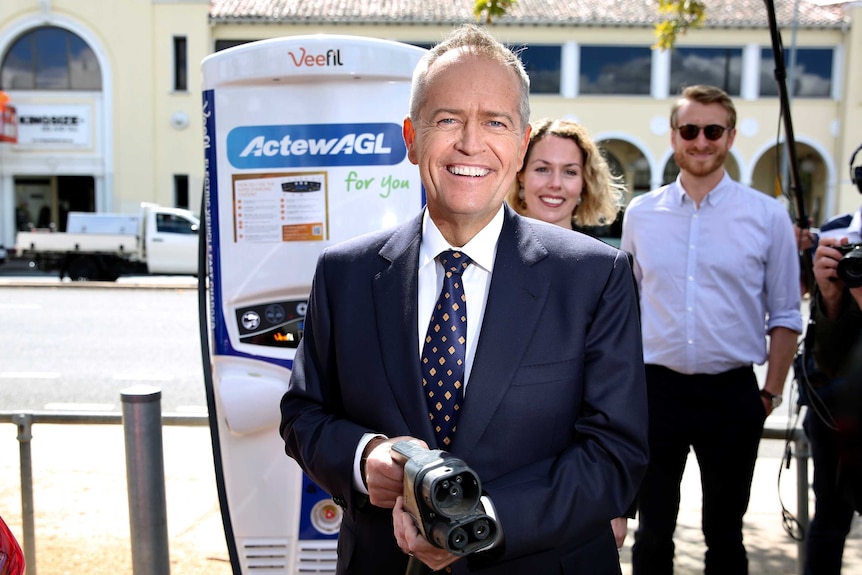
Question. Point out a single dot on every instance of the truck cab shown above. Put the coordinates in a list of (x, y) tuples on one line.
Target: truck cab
[(104, 246), (170, 240)]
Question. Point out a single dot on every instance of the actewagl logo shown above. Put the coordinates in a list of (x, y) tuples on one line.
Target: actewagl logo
[(315, 145)]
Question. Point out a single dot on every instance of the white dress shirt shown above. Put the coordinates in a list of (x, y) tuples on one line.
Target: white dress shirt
[(852, 232), (713, 280), (482, 249)]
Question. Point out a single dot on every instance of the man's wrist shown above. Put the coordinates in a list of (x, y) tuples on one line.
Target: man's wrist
[(773, 399), (366, 453), (358, 476), (831, 302)]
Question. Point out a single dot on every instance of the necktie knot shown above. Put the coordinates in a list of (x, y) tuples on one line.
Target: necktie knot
[(454, 261)]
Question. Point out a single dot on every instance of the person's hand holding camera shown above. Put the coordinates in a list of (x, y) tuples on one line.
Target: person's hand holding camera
[(826, 259)]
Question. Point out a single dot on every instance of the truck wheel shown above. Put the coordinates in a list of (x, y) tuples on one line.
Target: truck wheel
[(110, 274), (109, 269), (83, 268)]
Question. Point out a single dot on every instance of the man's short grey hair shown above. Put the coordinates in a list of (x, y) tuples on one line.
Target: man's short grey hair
[(479, 41)]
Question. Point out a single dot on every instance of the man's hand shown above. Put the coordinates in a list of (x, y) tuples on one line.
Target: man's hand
[(805, 240), (620, 525), (412, 543), (383, 475), (804, 237), (825, 273)]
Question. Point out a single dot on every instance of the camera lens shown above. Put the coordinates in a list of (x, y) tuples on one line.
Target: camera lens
[(850, 267)]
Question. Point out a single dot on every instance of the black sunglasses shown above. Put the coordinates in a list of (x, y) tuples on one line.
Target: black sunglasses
[(712, 132)]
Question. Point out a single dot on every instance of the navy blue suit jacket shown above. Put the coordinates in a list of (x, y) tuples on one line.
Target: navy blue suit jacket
[(554, 419)]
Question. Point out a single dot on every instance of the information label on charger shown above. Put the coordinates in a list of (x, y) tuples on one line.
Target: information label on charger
[(280, 207)]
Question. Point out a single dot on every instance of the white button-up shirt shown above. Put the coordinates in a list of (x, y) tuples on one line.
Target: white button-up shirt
[(713, 280), (482, 250)]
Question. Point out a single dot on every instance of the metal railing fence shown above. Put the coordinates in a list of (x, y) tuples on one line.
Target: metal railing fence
[(142, 420)]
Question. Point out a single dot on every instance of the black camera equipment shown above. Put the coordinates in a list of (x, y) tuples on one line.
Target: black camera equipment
[(442, 494), (850, 265)]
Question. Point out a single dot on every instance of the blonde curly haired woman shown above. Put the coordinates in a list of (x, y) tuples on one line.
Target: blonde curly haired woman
[(565, 180)]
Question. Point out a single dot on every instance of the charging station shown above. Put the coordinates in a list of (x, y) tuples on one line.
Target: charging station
[(303, 149)]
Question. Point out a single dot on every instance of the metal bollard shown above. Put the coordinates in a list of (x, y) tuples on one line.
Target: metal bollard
[(24, 421), (145, 477)]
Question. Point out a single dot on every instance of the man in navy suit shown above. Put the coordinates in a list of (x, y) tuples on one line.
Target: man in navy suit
[(553, 412)]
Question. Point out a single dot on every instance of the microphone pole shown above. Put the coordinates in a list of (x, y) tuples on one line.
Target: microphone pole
[(795, 185)]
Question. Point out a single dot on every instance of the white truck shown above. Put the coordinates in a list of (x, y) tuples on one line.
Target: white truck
[(102, 247)]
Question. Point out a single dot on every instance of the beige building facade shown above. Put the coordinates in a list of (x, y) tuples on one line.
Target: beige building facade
[(108, 92)]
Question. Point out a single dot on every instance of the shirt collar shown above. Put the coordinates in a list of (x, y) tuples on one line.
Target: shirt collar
[(481, 249), (715, 195), (854, 230)]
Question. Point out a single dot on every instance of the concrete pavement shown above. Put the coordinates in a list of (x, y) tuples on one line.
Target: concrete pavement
[(18, 273), (81, 503), (82, 524)]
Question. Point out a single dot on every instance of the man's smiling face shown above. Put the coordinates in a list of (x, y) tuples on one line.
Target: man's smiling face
[(701, 157), (468, 140)]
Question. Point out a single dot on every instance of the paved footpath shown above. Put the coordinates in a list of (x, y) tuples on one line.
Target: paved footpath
[(81, 502), (82, 525)]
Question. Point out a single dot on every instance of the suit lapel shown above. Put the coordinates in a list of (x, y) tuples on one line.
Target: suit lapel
[(395, 295), (515, 300)]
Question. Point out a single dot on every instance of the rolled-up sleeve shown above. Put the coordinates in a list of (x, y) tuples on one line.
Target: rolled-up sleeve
[(783, 296)]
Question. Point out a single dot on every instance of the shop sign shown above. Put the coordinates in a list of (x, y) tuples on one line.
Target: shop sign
[(54, 125)]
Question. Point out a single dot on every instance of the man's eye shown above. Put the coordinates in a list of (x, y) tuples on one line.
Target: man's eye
[(496, 124)]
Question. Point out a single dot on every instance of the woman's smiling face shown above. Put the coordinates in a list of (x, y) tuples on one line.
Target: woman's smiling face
[(553, 180)]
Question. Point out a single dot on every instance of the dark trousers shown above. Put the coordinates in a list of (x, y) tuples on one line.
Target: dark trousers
[(828, 530), (721, 418)]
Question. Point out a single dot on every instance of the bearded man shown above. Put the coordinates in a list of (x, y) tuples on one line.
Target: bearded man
[(717, 267)]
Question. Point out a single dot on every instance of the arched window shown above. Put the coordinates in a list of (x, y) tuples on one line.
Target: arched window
[(50, 58)]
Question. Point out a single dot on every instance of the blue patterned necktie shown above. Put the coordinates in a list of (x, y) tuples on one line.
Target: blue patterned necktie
[(445, 350)]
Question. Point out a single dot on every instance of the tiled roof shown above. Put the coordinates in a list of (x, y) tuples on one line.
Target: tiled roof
[(617, 13)]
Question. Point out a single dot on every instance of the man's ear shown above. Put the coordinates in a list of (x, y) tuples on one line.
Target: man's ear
[(731, 136), (409, 133), (525, 143)]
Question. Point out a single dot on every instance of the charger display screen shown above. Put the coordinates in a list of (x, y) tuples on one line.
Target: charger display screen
[(272, 324)]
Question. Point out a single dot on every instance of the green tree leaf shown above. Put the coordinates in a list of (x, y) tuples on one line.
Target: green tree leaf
[(490, 9), (680, 16)]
